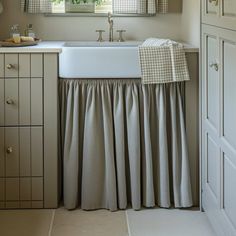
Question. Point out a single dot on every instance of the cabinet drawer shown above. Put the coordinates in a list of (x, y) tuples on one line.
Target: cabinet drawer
[(21, 151), (11, 66), (21, 65), (1, 66), (21, 101)]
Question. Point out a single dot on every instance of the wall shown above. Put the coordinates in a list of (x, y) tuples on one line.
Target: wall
[(190, 22), (83, 28)]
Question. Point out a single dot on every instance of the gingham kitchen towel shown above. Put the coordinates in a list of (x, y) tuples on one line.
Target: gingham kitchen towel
[(163, 61)]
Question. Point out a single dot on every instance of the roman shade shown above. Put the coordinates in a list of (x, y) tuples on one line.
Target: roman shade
[(140, 6), (119, 6), (36, 6)]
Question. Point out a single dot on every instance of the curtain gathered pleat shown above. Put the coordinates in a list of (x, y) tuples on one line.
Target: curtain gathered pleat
[(123, 142), (140, 6), (36, 6)]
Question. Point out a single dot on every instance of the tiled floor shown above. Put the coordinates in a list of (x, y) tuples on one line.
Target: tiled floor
[(160, 222), (60, 222)]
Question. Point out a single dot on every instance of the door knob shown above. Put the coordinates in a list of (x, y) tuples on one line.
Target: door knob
[(9, 150), (10, 66), (215, 2), (215, 66), (9, 101)]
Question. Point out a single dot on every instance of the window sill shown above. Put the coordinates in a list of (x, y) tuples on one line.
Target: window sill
[(95, 15)]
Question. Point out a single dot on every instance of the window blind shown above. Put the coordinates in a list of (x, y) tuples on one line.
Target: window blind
[(36, 6), (140, 6)]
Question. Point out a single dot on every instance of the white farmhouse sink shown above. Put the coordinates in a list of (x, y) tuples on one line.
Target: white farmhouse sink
[(100, 60)]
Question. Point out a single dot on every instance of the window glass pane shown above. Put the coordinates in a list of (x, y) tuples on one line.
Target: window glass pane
[(101, 6)]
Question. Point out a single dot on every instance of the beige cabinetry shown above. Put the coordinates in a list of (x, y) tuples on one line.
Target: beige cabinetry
[(220, 13), (218, 119), (28, 123)]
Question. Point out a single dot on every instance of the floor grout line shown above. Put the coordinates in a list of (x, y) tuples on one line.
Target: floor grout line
[(127, 221), (51, 223)]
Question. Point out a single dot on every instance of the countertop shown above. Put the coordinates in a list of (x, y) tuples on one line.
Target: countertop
[(56, 47)]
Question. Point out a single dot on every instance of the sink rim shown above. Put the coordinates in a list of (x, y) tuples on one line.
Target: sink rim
[(104, 44)]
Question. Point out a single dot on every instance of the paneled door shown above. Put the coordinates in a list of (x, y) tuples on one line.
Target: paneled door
[(219, 128), (220, 13)]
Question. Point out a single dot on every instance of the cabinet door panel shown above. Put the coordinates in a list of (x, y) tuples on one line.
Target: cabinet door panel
[(25, 152), (229, 196), (212, 82), (37, 151), (12, 152), (228, 49), (12, 189), (11, 102), (36, 102), (2, 152), (219, 154), (11, 65), (213, 165), (211, 7)]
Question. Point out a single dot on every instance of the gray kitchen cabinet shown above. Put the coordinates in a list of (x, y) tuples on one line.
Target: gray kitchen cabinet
[(219, 128), (28, 130)]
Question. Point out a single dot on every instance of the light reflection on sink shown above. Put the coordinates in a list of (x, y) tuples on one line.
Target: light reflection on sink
[(100, 60)]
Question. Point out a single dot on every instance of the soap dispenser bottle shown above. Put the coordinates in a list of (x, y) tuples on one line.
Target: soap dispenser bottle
[(15, 31), (29, 31)]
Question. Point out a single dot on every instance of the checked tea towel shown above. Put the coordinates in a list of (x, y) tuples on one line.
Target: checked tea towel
[(163, 61)]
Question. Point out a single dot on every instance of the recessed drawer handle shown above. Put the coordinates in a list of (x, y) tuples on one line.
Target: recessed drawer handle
[(10, 66), (9, 150), (10, 101), (215, 66), (215, 2)]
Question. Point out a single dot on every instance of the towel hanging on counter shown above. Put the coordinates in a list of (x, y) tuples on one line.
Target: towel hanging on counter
[(163, 61), (36, 6)]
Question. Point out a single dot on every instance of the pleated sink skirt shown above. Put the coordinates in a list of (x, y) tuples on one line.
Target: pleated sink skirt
[(123, 143)]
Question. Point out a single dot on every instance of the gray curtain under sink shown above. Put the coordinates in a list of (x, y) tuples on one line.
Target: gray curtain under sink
[(123, 143)]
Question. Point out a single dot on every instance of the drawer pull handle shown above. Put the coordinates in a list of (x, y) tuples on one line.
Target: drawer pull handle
[(215, 2), (9, 150), (215, 66), (10, 66), (10, 101)]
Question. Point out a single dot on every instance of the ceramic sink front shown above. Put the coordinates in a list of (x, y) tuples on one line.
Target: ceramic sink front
[(100, 60)]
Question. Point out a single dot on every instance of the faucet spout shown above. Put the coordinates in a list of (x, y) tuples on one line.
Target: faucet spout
[(111, 25)]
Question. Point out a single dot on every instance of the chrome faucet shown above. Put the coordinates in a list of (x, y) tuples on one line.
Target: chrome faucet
[(111, 24)]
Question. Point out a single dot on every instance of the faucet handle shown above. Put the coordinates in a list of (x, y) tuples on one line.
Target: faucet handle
[(100, 39), (121, 39)]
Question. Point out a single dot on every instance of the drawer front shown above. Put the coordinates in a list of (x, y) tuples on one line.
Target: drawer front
[(21, 65), (21, 101), (1, 66), (11, 66), (21, 151), (12, 152), (11, 102)]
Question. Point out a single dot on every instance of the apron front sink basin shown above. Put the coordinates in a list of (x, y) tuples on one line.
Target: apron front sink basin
[(100, 60)]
